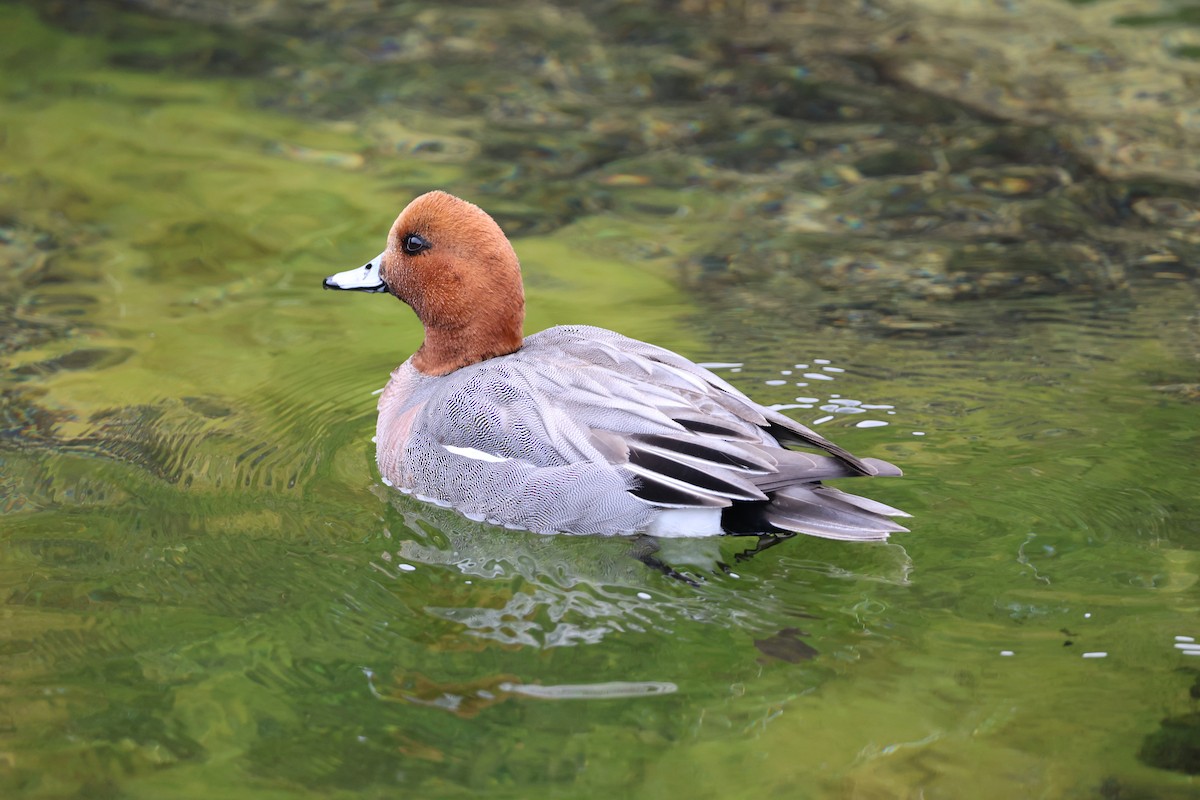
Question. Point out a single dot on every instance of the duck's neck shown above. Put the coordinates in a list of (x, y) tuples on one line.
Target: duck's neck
[(447, 349)]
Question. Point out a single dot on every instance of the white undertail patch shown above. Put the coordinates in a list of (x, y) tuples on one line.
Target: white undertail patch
[(672, 523)]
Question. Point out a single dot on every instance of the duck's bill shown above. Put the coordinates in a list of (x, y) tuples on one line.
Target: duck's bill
[(366, 278)]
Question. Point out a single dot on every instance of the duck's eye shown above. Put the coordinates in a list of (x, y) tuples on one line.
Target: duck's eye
[(414, 243)]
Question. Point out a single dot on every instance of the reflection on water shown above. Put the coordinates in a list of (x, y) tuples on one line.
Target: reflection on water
[(468, 700), (567, 591), (984, 275)]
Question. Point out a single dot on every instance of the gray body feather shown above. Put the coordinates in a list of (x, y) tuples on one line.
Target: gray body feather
[(583, 430)]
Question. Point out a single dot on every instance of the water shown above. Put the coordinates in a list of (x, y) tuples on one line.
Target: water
[(208, 591)]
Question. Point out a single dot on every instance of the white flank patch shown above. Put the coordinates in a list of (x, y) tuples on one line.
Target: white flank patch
[(471, 452)]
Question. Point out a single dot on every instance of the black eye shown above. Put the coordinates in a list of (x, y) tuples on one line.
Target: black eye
[(414, 243)]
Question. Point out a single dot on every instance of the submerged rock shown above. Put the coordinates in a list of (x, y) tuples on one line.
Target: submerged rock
[(1175, 745)]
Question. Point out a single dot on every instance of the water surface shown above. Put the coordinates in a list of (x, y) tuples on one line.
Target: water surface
[(207, 590)]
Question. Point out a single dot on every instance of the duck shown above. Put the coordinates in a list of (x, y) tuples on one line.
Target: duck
[(578, 429)]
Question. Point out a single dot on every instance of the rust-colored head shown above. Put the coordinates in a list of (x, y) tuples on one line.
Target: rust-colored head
[(451, 262)]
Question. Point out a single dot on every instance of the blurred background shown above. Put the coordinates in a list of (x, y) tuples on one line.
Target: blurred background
[(960, 236)]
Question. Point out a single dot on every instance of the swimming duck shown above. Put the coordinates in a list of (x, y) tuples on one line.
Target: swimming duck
[(578, 429)]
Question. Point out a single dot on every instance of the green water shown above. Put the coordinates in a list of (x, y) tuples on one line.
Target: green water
[(208, 592)]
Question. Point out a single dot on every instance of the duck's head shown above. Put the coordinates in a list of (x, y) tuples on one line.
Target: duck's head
[(451, 262)]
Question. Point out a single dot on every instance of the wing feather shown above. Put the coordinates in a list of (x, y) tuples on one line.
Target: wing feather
[(681, 436)]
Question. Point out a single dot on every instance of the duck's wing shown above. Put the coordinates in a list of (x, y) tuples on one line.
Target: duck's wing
[(572, 401), (726, 438), (688, 435), (782, 429), (676, 434)]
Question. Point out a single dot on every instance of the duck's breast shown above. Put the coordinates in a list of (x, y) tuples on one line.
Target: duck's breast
[(492, 441)]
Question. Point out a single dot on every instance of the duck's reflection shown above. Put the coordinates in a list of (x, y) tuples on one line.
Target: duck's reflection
[(543, 591)]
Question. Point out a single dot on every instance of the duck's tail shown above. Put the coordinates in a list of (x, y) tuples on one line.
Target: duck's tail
[(811, 508)]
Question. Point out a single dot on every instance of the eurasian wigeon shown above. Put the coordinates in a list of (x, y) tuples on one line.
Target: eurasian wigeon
[(579, 429)]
